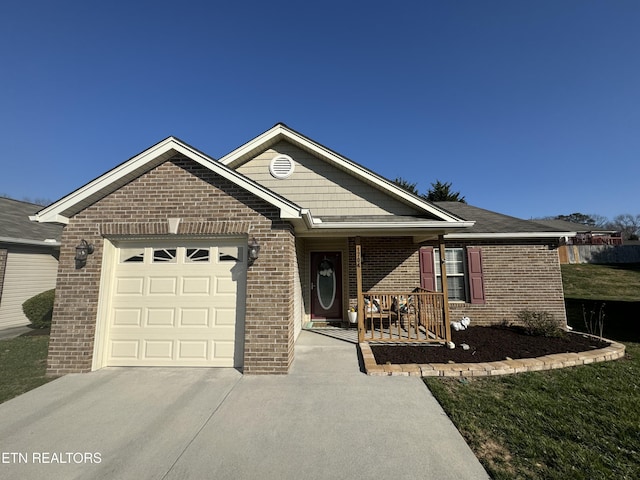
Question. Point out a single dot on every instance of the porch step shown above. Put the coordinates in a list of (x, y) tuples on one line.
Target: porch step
[(324, 324)]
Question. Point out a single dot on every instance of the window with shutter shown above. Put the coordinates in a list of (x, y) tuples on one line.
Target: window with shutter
[(461, 276), (476, 280), (427, 271)]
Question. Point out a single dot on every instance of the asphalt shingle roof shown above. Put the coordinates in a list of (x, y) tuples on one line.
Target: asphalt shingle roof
[(493, 222), (15, 223)]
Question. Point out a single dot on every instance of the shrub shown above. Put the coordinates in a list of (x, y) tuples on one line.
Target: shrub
[(540, 323), (39, 309)]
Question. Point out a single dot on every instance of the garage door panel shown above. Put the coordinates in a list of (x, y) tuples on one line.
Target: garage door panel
[(157, 349), (163, 286), (124, 349), (223, 349), (175, 311), (225, 286), (160, 317), (193, 349), (196, 286), (194, 317), (127, 316), (225, 316), (129, 286)]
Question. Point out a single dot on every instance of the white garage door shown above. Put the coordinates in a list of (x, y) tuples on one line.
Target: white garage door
[(179, 304)]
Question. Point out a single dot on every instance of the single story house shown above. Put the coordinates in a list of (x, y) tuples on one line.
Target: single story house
[(585, 234), (175, 259), (28, 259)]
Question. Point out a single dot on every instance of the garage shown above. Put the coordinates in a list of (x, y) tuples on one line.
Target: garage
[(178, 303)]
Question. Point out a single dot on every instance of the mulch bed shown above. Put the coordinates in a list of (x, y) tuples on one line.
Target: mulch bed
[(486, 344)]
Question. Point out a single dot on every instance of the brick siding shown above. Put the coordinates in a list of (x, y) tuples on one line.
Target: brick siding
[(516, 276), (208, 205)]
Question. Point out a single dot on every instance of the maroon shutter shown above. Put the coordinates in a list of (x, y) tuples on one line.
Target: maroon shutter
[(427, 269), (476, 282)]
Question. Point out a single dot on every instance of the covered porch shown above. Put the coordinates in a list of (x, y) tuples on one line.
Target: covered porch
[(376, 284), (401, 316)]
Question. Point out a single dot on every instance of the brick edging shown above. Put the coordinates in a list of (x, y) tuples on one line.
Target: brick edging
[(547, 362)]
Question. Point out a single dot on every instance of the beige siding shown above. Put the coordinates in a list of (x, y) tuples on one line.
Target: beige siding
[(26, 275), (321, 187)]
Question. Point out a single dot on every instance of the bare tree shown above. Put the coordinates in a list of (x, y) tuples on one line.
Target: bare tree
[(628, 224)]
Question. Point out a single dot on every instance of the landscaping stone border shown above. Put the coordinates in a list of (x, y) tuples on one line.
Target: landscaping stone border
[(548, 362)]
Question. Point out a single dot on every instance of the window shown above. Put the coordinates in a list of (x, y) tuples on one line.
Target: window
[(454, 258), (164, 255), (132, 255), (193, 255), (229, 254), (465, 281)]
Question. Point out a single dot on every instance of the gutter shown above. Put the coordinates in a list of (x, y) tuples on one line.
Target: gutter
[(470, 236), (23, 241)]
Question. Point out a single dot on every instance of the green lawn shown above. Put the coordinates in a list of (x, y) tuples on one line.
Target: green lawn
[(573, 423), (22, 365), (620, 283)]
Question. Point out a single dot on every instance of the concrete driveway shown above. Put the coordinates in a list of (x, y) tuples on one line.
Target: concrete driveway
[(325, 420)]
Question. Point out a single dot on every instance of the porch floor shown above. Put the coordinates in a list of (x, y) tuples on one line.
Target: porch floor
[(351, 334)]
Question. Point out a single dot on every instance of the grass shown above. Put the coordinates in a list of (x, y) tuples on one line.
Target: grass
[(620, 282), (22, 365), (587, 287), (574, 423)]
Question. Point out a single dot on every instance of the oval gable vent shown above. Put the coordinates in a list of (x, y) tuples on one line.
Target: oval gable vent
[(281, 166)]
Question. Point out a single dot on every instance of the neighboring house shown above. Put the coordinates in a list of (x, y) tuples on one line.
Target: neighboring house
[(585, 244), (28, 259), (171, 283), (584, 234)]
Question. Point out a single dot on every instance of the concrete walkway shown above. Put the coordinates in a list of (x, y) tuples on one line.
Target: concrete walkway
[(325, 420), (13, 332)]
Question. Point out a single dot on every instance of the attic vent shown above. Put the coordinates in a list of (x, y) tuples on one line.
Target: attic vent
[(281, 166)]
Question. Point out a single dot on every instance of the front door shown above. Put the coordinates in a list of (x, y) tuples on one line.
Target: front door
[(326, 286)]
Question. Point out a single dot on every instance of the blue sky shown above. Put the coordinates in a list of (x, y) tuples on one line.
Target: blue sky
[(530, 108)]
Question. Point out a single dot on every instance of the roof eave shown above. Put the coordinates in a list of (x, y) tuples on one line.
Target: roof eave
[(506, 235), (25, 241)]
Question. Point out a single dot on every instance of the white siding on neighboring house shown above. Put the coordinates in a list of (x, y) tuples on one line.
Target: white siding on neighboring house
[(27, 274), (321, 187)]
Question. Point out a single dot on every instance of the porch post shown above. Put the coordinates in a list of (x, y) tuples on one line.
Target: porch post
[(445, 287), (359, 291)]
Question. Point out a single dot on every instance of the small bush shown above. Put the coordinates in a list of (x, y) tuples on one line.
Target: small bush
[(539, 323), (39, 309)]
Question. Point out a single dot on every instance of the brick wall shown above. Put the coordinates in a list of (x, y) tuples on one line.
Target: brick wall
[(208, 205), (516, 276)]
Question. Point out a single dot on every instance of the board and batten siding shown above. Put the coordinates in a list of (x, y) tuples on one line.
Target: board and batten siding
[(27, 273), (311, 181)]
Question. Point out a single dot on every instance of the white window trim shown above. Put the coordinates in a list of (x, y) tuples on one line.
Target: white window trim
[(464, 274)]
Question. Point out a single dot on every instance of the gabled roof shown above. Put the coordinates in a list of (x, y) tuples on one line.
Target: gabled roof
[(16, 228), (115, 178), (281, 132), (496, 225), (435, 220)]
